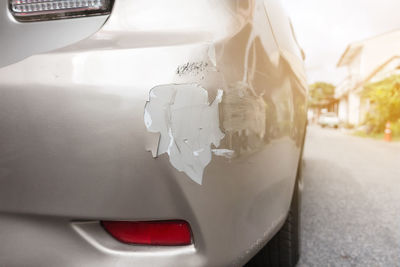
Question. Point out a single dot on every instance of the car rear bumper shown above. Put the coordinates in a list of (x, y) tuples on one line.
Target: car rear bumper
[(74, 149)]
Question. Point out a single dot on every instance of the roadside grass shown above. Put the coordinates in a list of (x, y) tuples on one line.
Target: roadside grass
[(375, 136)]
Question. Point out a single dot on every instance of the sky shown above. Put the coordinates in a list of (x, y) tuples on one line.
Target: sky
[(324, 28)]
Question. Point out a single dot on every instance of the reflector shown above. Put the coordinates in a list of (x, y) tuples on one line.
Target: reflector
[(161, 233), (34, 10)]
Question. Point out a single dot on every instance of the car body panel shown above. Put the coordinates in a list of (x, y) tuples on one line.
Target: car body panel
[(74, 147), (20, 40)]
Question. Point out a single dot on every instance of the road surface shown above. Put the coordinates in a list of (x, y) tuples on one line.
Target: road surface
[(351, 201)]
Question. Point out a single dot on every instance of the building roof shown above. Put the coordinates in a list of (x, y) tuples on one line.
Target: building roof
[(349, 54), (379, 69), (355, 48)]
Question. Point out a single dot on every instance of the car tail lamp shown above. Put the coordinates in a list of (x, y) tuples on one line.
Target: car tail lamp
[(158, 233), (37, 10)]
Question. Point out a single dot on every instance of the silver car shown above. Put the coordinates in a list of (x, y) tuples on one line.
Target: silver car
[(149, 133)]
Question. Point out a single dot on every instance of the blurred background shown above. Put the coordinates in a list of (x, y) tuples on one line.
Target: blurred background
[(353, 61), (351, 197)]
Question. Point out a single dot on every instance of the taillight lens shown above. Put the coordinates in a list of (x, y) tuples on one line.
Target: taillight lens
[(35, 10), (160, 233)]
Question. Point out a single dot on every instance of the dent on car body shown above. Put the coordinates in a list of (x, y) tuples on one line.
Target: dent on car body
[(81, 127), (251, 113)]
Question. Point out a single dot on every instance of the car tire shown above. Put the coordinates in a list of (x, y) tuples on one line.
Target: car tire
[(283, 250)]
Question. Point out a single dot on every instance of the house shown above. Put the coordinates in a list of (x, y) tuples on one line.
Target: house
[(367, 61)]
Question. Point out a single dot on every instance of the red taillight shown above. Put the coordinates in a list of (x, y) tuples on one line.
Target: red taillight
[(161, 233)]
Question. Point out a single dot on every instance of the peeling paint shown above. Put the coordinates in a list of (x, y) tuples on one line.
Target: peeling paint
[(152, 140), (188, 125)]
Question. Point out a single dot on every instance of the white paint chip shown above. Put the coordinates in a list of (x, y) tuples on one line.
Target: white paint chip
[(227, 153), (188, 125), (152, 141)]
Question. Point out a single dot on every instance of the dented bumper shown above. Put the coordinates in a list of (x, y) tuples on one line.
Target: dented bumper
[(76, 146)]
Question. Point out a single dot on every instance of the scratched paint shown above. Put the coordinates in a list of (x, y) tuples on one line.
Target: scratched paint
[(193, 68), (188, 125)]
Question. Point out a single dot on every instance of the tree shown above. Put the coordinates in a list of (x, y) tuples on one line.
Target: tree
[(321, 94), (384, 97)]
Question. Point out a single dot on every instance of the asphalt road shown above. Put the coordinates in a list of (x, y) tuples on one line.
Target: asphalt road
[(351, 201)]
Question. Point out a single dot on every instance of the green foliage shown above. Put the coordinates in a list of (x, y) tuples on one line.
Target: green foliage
[(384, 97), (396, 128), (320, 94)]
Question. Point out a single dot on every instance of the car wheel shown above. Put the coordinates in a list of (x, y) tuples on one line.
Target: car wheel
[(283, 250)]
